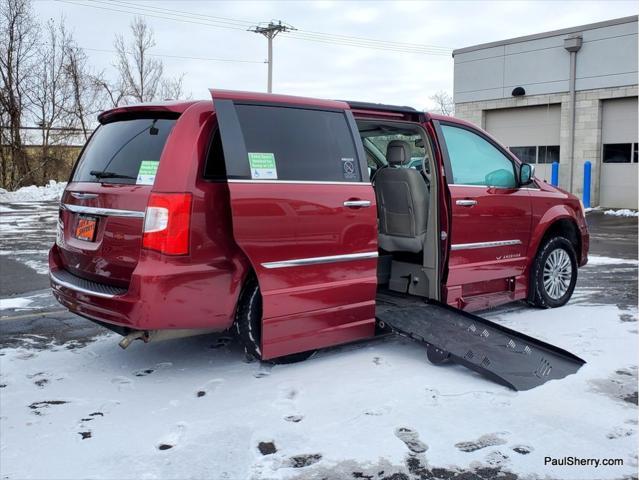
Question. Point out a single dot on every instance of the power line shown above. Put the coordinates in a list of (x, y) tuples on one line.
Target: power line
[(77, 3), (180, 56), (364, 45), (270, 31), (239, 22), (235, 24)]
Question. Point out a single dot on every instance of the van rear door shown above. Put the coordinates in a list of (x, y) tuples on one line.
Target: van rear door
[(102, 210), (304, 213)]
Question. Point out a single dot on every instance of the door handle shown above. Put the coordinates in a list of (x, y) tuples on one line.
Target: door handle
[(466, 203), (357, 203)]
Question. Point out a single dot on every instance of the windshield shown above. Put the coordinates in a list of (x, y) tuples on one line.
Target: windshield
[(126, 152)]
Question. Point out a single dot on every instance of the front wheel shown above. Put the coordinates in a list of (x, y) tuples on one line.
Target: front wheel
[(554, 273), (248, 325)]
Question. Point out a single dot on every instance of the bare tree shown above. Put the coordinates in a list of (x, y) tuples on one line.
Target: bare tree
[(141, 74), (172, 88), (444, 103), (113, 94), (50, 95), (85, 87), (18, 49)]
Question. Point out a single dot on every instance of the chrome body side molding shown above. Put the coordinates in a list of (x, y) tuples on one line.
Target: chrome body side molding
[(298, 262), (473, 246)]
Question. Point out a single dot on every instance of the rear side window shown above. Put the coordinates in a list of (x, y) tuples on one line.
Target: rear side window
[(214, 169), (125, 152), (296, 144)]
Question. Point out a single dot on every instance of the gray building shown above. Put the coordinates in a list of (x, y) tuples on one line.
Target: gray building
[(569, 96)]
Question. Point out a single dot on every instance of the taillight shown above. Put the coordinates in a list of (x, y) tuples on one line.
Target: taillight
[(167, 223)]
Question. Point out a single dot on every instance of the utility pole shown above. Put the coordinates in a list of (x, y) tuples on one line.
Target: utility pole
[(270, 31)]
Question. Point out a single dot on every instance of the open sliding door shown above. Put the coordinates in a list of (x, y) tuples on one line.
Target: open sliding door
[(304, 213)]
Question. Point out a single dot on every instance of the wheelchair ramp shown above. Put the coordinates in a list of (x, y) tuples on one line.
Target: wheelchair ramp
[(507, 357)]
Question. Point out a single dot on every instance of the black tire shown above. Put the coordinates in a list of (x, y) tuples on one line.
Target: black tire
[(542, 295), (248, 325)]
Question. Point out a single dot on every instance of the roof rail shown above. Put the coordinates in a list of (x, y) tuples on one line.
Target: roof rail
[(380, 107)]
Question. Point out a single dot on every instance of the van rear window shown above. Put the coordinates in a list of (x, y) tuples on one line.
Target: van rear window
[(126, 151)]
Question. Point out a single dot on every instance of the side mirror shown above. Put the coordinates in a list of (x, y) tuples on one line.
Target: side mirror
[(526, 174)]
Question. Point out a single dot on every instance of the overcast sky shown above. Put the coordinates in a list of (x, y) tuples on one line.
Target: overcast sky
[(322, 69)]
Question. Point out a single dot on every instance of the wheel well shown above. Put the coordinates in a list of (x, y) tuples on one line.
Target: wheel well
[(564, 228), (561, 228), (249, 275)]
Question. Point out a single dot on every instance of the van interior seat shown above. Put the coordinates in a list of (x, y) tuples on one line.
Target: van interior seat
[(402, 202)]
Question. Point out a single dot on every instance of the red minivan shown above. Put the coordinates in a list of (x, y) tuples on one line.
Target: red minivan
[(283, 217)]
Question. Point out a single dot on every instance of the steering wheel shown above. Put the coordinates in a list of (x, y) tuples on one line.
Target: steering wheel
[(427, 175)]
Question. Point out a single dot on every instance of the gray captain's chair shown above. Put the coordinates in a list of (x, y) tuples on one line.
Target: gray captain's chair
[(402, 202)]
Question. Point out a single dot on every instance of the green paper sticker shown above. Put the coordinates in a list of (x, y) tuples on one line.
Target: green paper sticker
[(262, 166), (147, 172)]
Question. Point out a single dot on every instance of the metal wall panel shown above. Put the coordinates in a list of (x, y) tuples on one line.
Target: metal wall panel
[(525, 126), (618, 182)]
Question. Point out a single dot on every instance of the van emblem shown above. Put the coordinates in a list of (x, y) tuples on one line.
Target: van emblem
[(510, 255)]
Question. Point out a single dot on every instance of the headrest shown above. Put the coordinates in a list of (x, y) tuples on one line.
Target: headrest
[(397, 152)]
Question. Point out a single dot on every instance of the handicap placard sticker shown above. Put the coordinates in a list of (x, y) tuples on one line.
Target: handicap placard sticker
[(147, 172), (262, 166)]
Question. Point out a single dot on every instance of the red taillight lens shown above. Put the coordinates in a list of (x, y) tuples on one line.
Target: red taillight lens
[(167, 223)]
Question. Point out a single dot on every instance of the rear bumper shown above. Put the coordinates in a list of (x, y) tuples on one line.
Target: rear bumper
[(182, 300)]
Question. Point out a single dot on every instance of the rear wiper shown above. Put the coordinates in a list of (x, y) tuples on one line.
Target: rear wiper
[(105, 174)]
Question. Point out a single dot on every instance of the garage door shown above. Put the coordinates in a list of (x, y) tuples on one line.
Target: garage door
[(531, 133), (618, 182)]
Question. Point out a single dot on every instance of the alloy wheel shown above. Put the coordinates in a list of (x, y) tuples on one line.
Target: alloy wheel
[(557, 273)]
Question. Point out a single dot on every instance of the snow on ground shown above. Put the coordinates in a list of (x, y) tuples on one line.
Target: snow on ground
[(624, 212), (35, 301), (52, 191), (28, 230), (599, 260), (193, 408), (14, 303)]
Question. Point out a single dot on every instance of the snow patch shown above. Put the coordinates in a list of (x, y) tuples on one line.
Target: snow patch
[(624, 212), (597, 260), (442, 416), (15, 303), (50, 192)]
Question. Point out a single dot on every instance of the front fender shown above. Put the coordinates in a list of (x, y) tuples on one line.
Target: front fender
[(553, 215)]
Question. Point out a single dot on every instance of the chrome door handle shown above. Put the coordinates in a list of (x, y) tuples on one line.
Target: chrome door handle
[(466, 203), (357, 203)]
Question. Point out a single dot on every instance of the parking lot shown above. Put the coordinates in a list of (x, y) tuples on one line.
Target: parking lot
[(194, 407)]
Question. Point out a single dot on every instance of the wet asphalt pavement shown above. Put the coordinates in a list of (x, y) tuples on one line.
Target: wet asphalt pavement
[(28, 230)]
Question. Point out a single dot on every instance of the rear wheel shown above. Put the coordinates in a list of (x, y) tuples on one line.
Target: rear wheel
[(554, 273), (248, 325)]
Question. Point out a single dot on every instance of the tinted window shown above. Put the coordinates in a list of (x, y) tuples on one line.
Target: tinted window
[(475, 161), (214, 169), (120, 148), (548, 154), (617, 152), (296, 144), (525, 154)]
